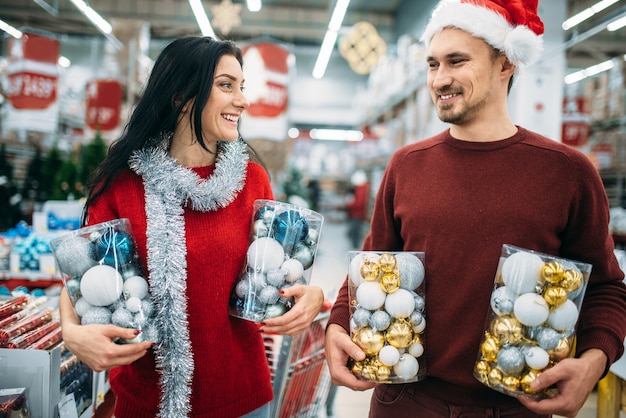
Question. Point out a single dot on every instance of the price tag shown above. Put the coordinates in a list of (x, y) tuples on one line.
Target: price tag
[(67, 407)]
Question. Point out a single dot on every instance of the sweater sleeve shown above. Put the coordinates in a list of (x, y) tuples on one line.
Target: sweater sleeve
[(602, 320)]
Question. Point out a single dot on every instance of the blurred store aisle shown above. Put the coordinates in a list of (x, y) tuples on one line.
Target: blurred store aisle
[(329, 271)]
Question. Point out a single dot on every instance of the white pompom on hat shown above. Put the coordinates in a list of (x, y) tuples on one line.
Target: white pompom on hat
[(511, 26)]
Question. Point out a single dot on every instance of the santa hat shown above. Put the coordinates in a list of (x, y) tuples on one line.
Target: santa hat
[(511, 26)]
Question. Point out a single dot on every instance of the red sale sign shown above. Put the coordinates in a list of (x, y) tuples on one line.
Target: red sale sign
[(103, 104), (576, 122), (266, 69), (32, 72)]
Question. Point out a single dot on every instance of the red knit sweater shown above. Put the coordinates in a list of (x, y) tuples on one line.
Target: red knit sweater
[(231, 376), (459, 202)]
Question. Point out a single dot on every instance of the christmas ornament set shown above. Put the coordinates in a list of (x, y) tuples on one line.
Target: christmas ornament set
[(531, 324), (100, 269), (387, 315), (281, 251)]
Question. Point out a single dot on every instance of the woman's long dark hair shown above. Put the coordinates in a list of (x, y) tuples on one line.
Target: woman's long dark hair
[(183, 71)]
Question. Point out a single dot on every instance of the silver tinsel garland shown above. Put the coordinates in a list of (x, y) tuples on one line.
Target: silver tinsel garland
[(169, 187)]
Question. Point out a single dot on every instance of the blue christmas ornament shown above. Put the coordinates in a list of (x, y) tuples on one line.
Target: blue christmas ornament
[(114, 248), (290, 228)]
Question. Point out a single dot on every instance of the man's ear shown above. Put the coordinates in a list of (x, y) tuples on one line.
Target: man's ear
[(508, 68)]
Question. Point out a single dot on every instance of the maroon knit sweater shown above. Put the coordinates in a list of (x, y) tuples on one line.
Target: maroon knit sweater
[(459, 202), (231, 376)]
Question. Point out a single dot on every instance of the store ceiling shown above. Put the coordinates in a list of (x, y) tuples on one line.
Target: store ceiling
[(299, 22)]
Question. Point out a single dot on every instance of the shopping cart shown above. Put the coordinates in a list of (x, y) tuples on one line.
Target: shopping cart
[(300, 376)]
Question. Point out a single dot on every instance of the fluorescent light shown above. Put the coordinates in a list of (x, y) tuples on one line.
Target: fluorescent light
[(98, 21), (202, 18), (328, 44), (324, 55), (336, 135), (588, 72), (10, 30), (64, 61), (339, 12), (616, 24), (254, 5), (587, 13)]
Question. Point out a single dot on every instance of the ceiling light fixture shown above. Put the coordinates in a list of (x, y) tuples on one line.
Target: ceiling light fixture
[(336, 135), (254, 5), (53, 8), (588, 72), (10, 30), (616, 24), (328, 44), (587, 13), (202, 18), (98, 21)]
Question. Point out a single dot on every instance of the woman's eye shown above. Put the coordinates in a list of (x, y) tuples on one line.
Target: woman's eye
[(226, 85)]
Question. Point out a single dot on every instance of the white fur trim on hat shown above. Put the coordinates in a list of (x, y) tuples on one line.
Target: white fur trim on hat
[(521, 45)]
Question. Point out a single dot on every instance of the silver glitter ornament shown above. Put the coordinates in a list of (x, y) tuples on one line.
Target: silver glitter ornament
[(75, 255), (511, 360), (268, 295), (96, 315), (304, 255), (361, 317), (276, 277), (122, 317), (380, 320), (547, 338), (411, 271)]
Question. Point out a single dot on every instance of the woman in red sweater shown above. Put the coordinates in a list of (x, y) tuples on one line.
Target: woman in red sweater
[(183, 177)]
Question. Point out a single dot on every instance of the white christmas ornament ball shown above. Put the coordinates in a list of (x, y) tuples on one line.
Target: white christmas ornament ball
[(564, 317), (536, 358), (82, 306), (521, 271), (136, 286), (133, 304), (400, 303), (294, 268), (101, 285), (354, 269), (420, 327), (407, 367), (370, 295), (389, 355), (416, 350), (265, 254), (531, 309)]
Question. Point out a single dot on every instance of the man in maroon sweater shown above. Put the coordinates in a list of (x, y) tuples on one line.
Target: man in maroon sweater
[(462, 194)]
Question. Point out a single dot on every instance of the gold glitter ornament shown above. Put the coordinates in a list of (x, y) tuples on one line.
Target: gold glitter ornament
[(357, 368), (383, 373), (369, 340), (489, 348), (552, 272), (506, 329), (527, 379), (369, 270), (369, 372), (387, 262), (555, 295), (390, 281), (510, 383), (399, 334), (572, 280), (561, 351), (481, 371), (495, 377)]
